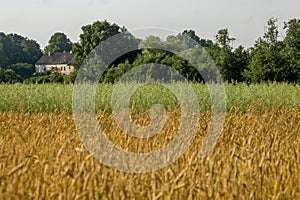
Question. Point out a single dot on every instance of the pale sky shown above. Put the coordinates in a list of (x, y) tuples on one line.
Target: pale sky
[(245, 19)]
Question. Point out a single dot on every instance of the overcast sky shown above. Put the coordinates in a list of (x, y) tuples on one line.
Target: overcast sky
[(245, 19)]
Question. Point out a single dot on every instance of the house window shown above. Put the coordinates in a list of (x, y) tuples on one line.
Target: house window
[(64, 68)]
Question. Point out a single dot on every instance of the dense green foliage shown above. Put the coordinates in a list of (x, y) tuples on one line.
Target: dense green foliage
[(17, 57), (17, 49), (92, 36), (35, 98), (269, 59), (58, 42), (24, 70), (52, 77), (9, 76)]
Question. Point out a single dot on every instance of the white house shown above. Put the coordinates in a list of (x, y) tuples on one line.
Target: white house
[(62, 62)]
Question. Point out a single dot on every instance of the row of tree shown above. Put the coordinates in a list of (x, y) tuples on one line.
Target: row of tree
[(270, 59)]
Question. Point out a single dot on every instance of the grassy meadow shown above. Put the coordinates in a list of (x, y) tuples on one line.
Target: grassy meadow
[(257, 155), (34, 98)]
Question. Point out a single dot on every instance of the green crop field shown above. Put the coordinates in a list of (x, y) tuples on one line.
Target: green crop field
[(57, 97)]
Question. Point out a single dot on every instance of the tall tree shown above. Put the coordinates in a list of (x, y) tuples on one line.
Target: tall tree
[(31, 51), (266, 64), (222, 53), (23, 50), (92, 36), (17, 49), (58, 42), (291, 50), (240, 62)]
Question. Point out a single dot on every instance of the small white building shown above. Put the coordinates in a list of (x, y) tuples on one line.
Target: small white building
[(61, 62)]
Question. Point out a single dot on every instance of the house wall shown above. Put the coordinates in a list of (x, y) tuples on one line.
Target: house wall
[(62, 68), (40, 69)]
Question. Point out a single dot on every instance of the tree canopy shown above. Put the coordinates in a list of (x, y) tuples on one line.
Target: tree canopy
[(92, 36), (58, 42), (17, 57), (17, 49)]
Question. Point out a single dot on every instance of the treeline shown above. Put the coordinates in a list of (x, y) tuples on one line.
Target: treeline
[(270, 59), (17, 57)]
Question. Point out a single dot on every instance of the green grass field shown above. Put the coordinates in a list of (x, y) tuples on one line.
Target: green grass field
[(58, 98)]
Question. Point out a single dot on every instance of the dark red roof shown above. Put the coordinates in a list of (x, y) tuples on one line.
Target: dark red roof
[(56, 58)]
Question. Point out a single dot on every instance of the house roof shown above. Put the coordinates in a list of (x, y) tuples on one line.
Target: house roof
[(56, 58)]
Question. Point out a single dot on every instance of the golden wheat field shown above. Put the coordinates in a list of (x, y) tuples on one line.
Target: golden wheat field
[(256, 157)]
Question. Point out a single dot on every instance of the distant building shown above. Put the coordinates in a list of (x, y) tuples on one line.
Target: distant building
[(61, 62)]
